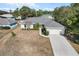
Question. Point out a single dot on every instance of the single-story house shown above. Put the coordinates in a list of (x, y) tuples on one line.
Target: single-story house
[(52, 26), (25, 24), (7, 21), (6, 16)]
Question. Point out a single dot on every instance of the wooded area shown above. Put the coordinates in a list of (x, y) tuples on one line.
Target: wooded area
[(25, 11), (69, 17)]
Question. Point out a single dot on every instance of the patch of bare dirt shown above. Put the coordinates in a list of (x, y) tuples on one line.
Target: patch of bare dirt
[(25, 43), (3, 32)]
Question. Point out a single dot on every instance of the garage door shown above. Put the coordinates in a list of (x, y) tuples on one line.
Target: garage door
[(54, 31)]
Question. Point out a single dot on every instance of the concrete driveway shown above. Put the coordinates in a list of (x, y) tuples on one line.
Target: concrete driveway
[(61, 46)]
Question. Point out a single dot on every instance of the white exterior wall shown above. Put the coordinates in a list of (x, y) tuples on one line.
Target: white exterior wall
[(31, 26), (63, 31), (56, 30), (50, 17), (19, 17), (22, 26)]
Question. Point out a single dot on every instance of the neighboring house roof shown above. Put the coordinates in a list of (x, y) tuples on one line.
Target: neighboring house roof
[(44, 20), (6, 21), (7, 15)]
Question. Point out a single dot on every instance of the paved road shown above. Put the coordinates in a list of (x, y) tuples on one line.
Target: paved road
[(61, 46)]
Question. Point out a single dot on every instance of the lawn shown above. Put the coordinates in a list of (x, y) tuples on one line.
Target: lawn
[(25, 43)]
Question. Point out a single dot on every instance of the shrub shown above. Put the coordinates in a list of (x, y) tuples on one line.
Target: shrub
[(23, 17), (36, 26), (13, 34), (44, 31)]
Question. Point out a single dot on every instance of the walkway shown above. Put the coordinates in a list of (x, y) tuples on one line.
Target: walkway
[(61, 47)]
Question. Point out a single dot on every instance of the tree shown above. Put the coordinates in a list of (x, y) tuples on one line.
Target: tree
[(65, 15), (39, 12), (25, 11), (16, 13), (32, 13), (75, 7), (69, 17)]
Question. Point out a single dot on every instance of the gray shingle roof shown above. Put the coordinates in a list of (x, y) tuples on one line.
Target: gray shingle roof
[(44, 20), (7, 15), (6, 21)]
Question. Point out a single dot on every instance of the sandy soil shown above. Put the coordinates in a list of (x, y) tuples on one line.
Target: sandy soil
[(3, 32), (25, 43)]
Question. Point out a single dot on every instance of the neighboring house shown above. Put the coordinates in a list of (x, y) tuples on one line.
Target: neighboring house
[(25, 24), (51, 25), (7, 20), (18, 18), (6, 16)]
